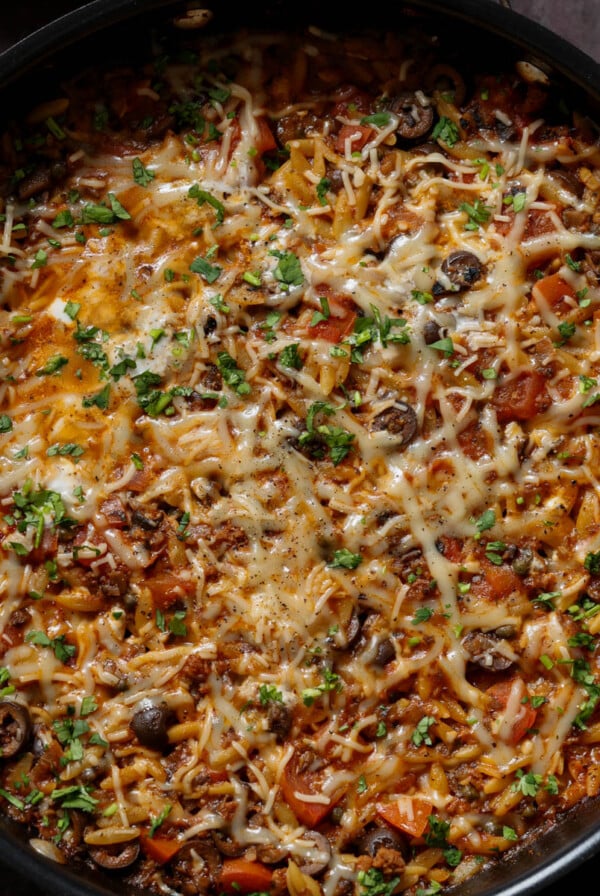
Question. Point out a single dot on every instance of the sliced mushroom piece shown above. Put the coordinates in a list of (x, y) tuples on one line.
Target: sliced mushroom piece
[(377, 838), (482, 648), (399, 422), (15, 727), (384, 653), (149, 724), (37, 182), (415, 120), (280, 719), (463, 269), (348, 630), (115, 856), (316, 860), (567, 179), (431, 331), (145, 521)]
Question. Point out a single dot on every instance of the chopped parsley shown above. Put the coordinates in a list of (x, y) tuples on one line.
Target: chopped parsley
[(368, 330), (421, 735), (331, 682), (446, 131), (422, 614), (209, 272), (99, 400), (75, 797), (105, 214), (290, 357), (477, 213), (233, 375), (63, 219), (379, 119), (62, 650), (345, 559), (323, 314), (67, 449), (268, 693), (486, 521), (373, 883), (40, 259), (217, 302), (592, 563), (444, 345), (155, 401), (288, 270), (141, 175), (202, 196), (318, 439), (159, 820), (322, 188), (52, 366)]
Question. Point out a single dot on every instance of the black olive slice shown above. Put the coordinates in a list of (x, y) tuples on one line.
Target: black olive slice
[(15, 727), (376, 838), (316, 860), (199, 862), (462, 268), (226, 845), (399, 421), (446, 80), (116, 856), (415, 120), (149, 724)]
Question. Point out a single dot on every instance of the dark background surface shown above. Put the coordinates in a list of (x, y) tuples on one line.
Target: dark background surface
[(577, 21)]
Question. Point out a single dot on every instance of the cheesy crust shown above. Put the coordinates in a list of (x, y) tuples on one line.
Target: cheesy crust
[(299, 465)]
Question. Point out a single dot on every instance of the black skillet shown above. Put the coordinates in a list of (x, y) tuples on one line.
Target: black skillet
[(566, 854)]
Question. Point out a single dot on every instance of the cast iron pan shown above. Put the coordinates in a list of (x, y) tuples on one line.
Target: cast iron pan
[(122, 29)]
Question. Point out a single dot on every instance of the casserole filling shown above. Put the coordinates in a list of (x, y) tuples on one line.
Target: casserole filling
[(299, 459)]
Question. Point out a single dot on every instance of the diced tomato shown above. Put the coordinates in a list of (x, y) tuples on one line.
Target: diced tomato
[(522, 397), (409, 814), (450, 548), (340, 322), (525, 714), (265, 141), (358, 134), (496, 582), (243, 876), (335, 328), (551, 290), (295, 782), (160, 849), (167, 588)]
